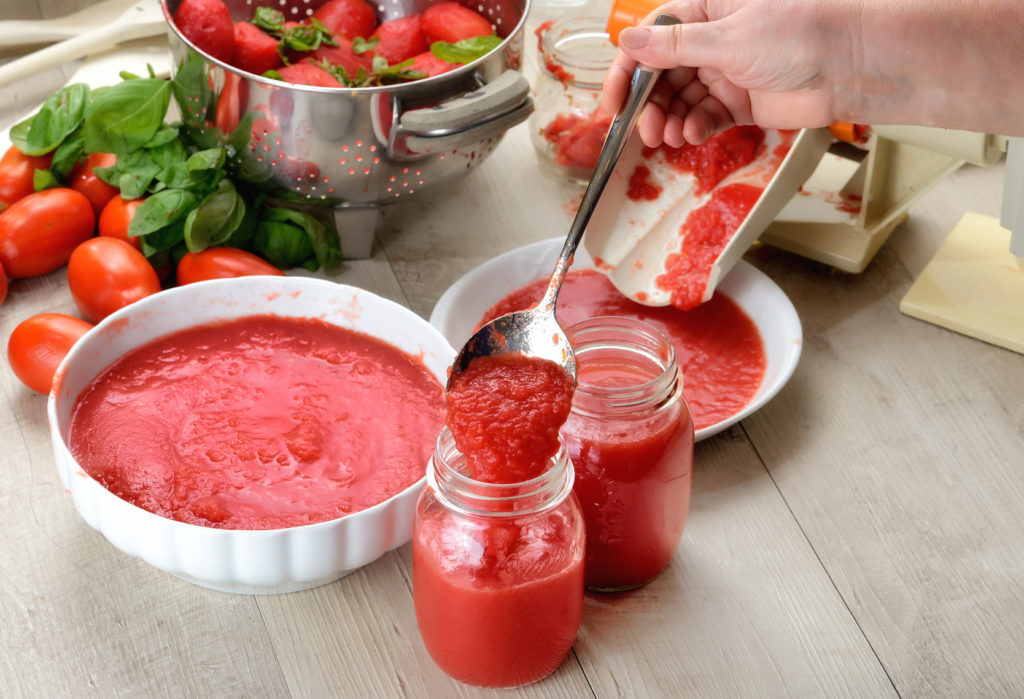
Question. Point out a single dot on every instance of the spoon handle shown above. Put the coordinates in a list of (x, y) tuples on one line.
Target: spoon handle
[(622, 125)]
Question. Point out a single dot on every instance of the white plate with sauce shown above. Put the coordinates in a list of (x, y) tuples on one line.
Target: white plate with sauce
[(464, 303)]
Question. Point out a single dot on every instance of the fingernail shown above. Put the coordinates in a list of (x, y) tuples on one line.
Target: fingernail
[(635, 37)]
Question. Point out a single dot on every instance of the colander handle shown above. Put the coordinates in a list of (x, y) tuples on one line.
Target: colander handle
[(475, 116)]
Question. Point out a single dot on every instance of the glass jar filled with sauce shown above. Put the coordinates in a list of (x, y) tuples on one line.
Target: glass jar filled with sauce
[(630, 438), (497, 570), (567, 127)]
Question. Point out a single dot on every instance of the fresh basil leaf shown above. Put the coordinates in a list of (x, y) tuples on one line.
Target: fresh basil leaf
[(361, 45), (169, 154), (19, 133), (306, 37), (162, 209), (324, 241), (273, 75), (125, 75), (269, 20), (283, 244), (192, 92), (67, 154), (124, 117), (238, 139), (215, 219), (243, 235), (466, 50), (165, 136), (174, 176), (137, 171), (339, 73), (167, 238), (44, 179), (385, 74), (59, 116), (201, 162)]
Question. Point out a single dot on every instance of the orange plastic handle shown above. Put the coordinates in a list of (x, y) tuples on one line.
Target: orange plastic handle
[(849, 132), (628, 13)]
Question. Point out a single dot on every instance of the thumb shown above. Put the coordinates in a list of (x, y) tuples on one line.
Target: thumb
[(692, 45)]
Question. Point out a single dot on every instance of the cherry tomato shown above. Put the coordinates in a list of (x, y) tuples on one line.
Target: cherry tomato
[(116, 217), (17, 171), (106, 274), (221, 263), (38, 345), (83, 179), (38, 233)]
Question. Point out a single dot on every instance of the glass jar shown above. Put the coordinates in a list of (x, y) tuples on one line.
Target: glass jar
[(497, 570), (630, 438), (567, 127)]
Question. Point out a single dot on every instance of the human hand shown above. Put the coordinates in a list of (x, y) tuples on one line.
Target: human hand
[(767, 62)]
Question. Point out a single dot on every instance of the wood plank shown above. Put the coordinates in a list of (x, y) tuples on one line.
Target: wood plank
[(745, 609), (897, 445)]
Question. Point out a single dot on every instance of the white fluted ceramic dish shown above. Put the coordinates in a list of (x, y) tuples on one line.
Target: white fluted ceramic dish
[(242, 561)]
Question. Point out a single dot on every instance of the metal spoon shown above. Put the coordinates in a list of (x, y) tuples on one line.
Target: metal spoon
[(535, 332)]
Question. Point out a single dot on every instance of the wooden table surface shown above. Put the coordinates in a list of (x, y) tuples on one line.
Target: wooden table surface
[(862, 535)]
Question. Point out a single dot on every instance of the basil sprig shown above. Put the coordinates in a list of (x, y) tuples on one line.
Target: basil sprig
[(466, 50), (202, 187)]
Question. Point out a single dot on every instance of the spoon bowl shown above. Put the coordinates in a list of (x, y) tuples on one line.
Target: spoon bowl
[(535, 332)]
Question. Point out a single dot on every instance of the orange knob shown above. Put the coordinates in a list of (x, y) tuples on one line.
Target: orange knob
[(628, 13)]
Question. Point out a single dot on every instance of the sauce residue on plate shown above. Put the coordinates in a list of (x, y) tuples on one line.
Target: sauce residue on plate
[(718, 346), (262, 422)]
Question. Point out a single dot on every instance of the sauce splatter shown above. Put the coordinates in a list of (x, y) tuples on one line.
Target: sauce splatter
[(642, 186)]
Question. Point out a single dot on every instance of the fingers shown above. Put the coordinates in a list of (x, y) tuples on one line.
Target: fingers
[(694, 44), (616, 84)]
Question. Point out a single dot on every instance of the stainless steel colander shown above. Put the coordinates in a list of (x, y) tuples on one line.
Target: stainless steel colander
[(356, 149)]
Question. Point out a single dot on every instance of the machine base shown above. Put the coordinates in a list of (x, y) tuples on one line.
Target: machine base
[(973, 285)]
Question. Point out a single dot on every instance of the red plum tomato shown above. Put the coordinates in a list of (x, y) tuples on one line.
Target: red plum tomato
[(400, 38), (17, 173), (83, 179), (350, 18), (255, 50), (106, 274), (116, 217), (39, 344), (452, 22), (222, 263), (3, 285), (208, 25), (38, 233)]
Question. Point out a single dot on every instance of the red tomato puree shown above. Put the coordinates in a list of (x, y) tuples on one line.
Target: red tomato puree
[(717, 158), (633, 479), (706, 231), (577, 139), (718, 347), (505, 412), (502, 609), (259, 423)]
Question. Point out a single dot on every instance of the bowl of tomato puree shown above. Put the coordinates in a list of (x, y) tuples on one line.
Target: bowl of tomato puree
[(735, 352), (251, 435)]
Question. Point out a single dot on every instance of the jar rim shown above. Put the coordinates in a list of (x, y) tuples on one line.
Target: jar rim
[(648, 341), (446, 476), (556, 44)]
